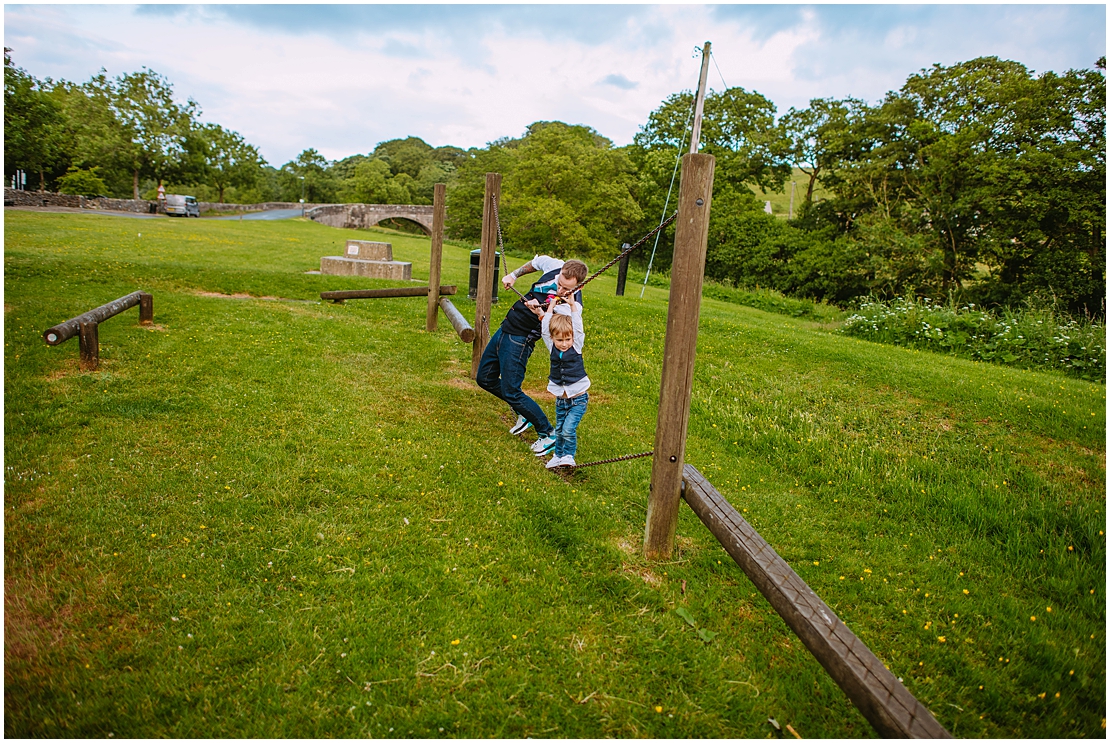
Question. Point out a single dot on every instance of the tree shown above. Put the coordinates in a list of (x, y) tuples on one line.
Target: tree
[(818, 137), (228, 159), (318, 186), (157, 126), (81, 182), (33, 124)]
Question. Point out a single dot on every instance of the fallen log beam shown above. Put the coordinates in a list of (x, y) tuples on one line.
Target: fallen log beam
[(458, 322), (62, 332), (400, 291), (890, 708)]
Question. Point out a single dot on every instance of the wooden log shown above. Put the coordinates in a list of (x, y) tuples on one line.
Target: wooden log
[(400, 291), (62, 332), (691, 236), (484, 299), (435, 264), (890, 708), (146, 308), (90, 346), (458, 322)]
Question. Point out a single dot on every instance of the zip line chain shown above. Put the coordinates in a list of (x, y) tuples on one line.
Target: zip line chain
[(609, 461), (603, 269)]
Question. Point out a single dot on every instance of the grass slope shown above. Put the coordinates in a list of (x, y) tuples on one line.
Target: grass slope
[(281, 517)]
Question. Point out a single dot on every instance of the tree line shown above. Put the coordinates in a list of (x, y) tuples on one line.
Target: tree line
[(982, 181)]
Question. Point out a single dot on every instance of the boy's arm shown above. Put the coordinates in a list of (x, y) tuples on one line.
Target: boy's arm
[(545, 330), (579, 329)]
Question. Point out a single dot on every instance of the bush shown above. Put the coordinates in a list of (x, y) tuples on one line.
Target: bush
[(77, 182), (1033, 338)]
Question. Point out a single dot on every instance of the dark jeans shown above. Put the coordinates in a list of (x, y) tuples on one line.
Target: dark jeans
[(568, 414), (501, 372)]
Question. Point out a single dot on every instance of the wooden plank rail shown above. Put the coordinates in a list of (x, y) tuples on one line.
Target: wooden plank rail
[(62, 332), (400, 291), (458, 322), (890, 708)]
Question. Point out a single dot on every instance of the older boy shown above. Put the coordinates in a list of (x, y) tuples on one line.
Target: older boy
[(504, 363)]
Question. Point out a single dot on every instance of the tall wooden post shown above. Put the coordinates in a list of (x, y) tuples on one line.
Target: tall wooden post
[(695, 194), (146, 309), (484, 299), (435, 265)]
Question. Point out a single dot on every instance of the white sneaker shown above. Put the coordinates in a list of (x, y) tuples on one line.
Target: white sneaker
[(520, 426), (555, 462), (544, 446), (568, 461)]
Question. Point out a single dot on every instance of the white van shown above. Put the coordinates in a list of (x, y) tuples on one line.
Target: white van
[(182, 206)]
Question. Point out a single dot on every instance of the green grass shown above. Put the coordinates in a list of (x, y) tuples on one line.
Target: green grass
[(780, 201), (280, 517)]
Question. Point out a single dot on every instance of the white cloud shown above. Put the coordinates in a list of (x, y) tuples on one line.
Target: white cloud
[(343, 78)]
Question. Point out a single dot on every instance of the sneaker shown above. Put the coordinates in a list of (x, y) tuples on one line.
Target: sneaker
[(544, 446), (555, 462), (520, 426), (568, 461)]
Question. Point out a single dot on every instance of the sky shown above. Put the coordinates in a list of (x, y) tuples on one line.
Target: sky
[(342, 78)]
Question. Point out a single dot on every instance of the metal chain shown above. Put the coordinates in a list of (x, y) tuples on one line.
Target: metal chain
[(614, 459), (501, 242), (640, 242)]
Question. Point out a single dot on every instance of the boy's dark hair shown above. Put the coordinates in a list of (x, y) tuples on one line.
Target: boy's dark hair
[(561, 325), (575, 269)]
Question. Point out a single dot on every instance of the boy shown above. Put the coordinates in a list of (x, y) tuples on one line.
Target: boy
[(563, 335), (504, 362)]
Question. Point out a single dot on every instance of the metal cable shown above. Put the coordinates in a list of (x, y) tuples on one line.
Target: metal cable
[(501, 242), (628, 250), (610, 461), (667, 203)]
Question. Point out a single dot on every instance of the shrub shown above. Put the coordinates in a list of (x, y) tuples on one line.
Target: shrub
[(77, 182), (1032, 338)]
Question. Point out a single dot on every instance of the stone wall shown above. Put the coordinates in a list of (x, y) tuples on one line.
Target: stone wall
[(12, 197)]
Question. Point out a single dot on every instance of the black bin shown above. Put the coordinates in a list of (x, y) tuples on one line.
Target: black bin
[(475, 259)]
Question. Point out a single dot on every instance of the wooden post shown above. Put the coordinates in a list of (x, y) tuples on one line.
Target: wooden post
[(699, 103), (146, 309), (695, 193), (62, 332), (622, 272), (458, 322), (484, 300), (435, 265), (90, 346)]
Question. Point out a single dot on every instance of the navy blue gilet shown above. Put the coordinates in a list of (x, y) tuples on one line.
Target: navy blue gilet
[(567, 367)]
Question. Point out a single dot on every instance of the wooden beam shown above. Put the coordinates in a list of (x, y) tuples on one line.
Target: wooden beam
[(695, 194), (890, 708), (435, 264), (400, 291), (484, 299), (146, 308), (458, 322), (62, 332)]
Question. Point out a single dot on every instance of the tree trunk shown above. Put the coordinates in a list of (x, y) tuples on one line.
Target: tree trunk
[(135, 184), (42, 182)]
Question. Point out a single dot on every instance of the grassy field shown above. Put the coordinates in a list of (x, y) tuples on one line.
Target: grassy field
[(271, 516), (780, 202)]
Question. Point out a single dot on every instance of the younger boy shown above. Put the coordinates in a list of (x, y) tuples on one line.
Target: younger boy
[(563, 335)]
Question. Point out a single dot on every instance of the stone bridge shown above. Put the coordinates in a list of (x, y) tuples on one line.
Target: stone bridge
[(361, 216)]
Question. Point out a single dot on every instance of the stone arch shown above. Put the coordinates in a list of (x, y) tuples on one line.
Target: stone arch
[(361, 216)]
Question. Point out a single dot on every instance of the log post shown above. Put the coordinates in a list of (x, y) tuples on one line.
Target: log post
[(622, 272), (435, 264), (62, 332), (484, 299), (695, 194), (890, 708), (90, 346), (146, 308), (458, 322)]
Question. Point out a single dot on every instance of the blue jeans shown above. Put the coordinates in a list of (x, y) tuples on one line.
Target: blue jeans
[(501, 373), (568, 414)]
